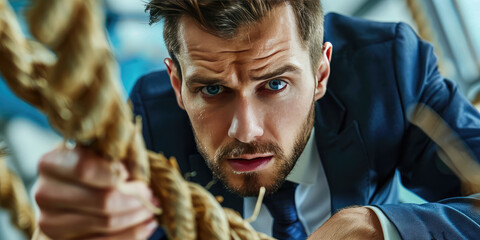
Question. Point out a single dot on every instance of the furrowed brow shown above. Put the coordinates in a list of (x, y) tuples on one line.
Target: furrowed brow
[(277, 72), (199, 80)]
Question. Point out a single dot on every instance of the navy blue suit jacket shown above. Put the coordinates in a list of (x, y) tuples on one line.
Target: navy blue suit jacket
[(364, 137)]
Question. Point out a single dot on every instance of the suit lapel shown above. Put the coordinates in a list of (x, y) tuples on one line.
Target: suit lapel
[(342, 153)]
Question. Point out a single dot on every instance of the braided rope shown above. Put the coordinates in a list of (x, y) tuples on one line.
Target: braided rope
[(79, 93), (173, 192), (82, 85), (22, 63), (14, 198), (13, 195)]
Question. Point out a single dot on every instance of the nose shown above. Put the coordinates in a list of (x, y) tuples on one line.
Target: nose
[(245, 125)]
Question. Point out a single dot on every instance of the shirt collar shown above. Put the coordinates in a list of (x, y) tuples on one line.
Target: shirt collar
[(307, 166)]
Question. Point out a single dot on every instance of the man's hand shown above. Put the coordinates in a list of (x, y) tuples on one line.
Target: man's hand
[(78, 198), (350, 223)]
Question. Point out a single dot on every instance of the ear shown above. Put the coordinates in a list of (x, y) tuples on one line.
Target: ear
[(175, 80), (323, 71)]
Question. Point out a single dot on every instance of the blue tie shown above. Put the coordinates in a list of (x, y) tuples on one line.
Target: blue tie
[(281, 206)]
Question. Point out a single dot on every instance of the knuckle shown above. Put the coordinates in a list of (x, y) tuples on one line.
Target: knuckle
[(107, 222), (48, 161), (107, 198), (42, 223), (41, 197), (46, 228), (83, 170), (43, 164)]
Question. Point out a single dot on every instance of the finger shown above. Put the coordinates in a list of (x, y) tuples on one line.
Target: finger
[(142, 231), (55, 195), (63, 226), (81, 165)]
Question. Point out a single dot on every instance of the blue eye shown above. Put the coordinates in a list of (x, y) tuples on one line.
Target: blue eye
[(212, 90), (276, 85)]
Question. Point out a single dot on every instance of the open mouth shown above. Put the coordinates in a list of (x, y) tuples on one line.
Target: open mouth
[(249, 164)]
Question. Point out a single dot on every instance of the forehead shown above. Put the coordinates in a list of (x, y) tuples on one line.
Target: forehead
[(275, 35)]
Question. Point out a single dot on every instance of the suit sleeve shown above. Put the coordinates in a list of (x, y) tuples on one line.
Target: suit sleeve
[(448, 215)]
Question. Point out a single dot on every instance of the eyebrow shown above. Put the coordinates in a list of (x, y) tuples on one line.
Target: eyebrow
[(200, 80), (277, 72), (196, 79)]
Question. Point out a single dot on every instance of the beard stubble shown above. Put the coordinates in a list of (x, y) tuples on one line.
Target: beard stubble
[(251, 184)]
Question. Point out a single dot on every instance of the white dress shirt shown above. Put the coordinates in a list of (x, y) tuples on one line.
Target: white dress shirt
[(312, 197)]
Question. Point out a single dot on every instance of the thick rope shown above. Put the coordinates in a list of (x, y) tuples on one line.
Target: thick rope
[(168, 185), (80, 95), (82, 86), (13, 195), (14, 198), (23, 64)]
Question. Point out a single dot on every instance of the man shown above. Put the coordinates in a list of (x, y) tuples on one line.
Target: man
[(250, 78)]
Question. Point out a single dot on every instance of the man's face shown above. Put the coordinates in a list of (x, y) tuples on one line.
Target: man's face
[(249, 99)]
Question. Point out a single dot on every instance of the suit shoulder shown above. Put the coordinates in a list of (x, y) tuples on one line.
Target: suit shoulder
[(350, 33), (153, 85)]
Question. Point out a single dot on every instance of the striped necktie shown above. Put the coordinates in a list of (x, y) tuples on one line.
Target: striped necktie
[(281, 206)]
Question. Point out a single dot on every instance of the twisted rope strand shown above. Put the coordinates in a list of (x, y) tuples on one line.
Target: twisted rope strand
[(175, 199), (22, 63), (83, 82), (14, 198), (80, 94)]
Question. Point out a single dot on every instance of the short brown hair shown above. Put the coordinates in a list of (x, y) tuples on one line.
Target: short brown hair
[(224, 17)]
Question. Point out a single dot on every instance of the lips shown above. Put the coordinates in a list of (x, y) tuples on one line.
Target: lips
[(249, 164)]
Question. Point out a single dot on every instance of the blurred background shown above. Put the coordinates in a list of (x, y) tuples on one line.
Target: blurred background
[(451, 25)]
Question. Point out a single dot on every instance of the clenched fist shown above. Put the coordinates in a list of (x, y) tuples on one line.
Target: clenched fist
[(79, 198)]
